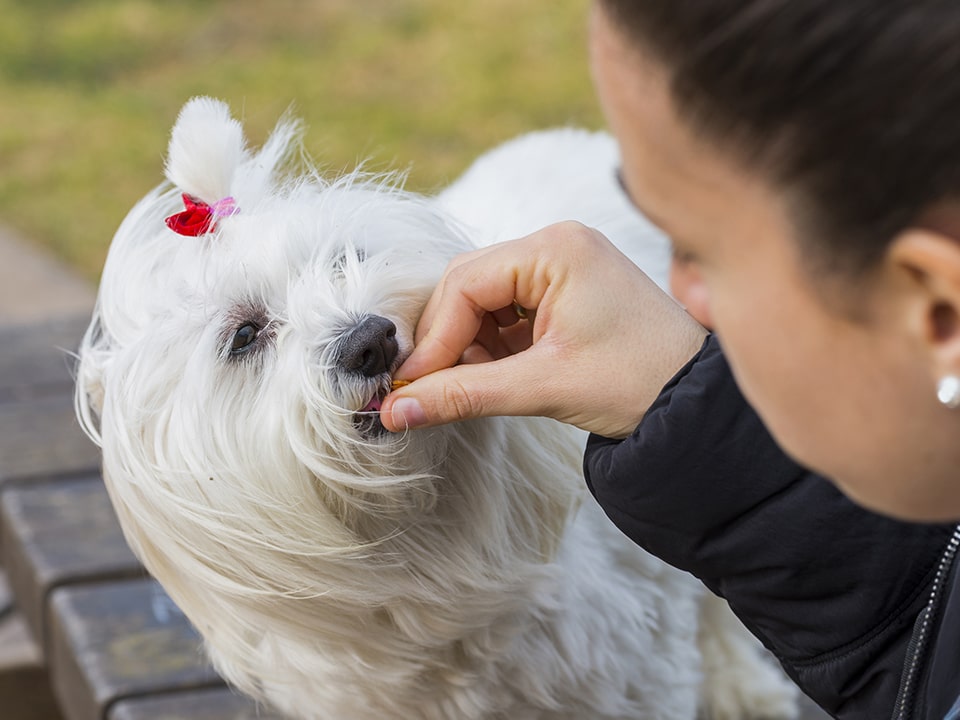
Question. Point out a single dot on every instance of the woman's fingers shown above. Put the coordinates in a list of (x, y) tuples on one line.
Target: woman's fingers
[(597, 344), (480, 285), (511, 386)]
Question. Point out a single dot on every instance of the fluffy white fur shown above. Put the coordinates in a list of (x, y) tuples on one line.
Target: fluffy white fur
[(461, 572)]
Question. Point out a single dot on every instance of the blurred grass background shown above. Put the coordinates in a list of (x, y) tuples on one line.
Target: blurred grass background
[(90, 88)]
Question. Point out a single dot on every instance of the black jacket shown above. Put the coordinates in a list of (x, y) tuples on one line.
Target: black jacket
[(849, 601)]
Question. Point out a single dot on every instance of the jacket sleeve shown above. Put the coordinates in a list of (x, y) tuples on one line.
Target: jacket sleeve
[(831, 589)]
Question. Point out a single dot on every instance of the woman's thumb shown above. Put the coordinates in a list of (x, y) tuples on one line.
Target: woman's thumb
[(463, 392)]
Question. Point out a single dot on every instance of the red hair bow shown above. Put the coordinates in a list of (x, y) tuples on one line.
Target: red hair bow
[(200, 218)]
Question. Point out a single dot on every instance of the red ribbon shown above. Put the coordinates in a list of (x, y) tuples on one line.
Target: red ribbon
[(200, 218)]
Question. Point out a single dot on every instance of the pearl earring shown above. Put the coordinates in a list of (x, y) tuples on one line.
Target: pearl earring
[(948, 391)]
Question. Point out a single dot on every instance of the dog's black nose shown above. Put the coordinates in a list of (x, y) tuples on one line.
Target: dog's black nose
[(369, 348)]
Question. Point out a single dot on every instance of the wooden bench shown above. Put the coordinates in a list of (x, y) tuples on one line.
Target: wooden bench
[(108, 642)]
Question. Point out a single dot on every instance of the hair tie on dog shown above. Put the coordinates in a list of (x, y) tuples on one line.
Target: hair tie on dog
[(200, 218)]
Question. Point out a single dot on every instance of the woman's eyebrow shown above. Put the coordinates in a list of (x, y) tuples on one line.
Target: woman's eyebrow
[(618, 173)]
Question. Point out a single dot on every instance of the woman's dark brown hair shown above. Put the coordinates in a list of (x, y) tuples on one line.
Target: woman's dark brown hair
[(850, 106)]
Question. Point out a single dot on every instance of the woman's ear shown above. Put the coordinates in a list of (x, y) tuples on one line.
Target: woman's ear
[(930, 260)]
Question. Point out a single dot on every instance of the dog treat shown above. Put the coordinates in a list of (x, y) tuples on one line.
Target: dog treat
[(397, 384)]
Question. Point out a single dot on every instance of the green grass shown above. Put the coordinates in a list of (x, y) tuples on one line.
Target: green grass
[(90, 88)]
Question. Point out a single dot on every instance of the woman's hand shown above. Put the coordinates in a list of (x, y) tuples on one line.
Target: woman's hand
[(559, 324)]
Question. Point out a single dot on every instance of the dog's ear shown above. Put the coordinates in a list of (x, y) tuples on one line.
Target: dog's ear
[(207, 147)]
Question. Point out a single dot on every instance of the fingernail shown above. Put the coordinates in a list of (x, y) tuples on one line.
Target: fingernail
[(407, 413)]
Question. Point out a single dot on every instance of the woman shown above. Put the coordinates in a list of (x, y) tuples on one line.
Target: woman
[(804, 157)]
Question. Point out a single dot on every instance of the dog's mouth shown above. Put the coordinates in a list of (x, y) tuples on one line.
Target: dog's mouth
[(367, 419)]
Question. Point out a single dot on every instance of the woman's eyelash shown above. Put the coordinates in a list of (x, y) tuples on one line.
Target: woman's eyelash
[(680, 255)]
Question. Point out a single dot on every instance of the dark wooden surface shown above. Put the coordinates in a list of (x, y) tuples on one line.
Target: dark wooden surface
[(43, 437), (111, 641), (24, 681), (57, 533), (6, 595), (39, 433), (215, 704), (36, 360)]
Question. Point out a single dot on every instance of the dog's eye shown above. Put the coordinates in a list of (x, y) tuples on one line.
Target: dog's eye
[(243, 338)]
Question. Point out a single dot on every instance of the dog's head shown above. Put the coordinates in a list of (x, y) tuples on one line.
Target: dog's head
[(273, 291), (258, 328), (232, 374)]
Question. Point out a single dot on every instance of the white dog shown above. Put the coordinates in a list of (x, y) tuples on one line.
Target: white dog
[(232, 374)]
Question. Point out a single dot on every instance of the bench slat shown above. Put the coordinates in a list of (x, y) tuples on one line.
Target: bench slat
[(24, 683), (217, 704), (120, 640), (43, 437), (58, 533), (34, 360)]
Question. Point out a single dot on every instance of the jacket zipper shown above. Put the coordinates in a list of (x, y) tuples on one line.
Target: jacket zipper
[(921, 633)]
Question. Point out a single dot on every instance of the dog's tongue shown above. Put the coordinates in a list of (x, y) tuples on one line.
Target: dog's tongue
[(373, 405)]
